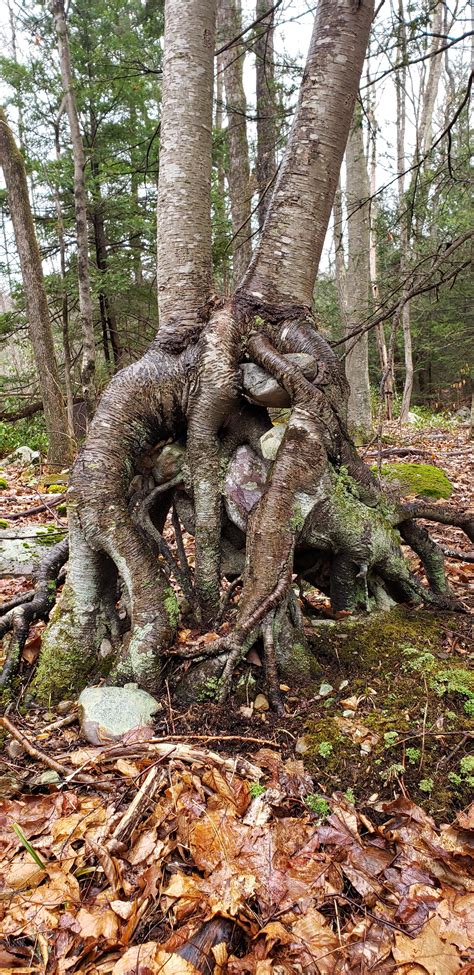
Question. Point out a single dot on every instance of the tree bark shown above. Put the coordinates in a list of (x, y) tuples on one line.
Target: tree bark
[(285, 263), (184, 187), (80, 205), (266, 107), (359, 415), (39, 325), (238, 174), (423, 142)]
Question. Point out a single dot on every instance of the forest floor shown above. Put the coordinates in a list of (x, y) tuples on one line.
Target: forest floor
[(337, 838)]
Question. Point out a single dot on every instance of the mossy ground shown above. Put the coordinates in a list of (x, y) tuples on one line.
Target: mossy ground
[(407, 717)]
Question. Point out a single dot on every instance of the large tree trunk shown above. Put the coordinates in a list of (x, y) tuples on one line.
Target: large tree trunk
[(266, 106), (184, 190), (359, 411), (60, 447), (238, 173), (284, 266), (316, 511), (80, 206)]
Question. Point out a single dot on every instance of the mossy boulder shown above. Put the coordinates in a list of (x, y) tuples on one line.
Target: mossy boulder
[(422, 480)]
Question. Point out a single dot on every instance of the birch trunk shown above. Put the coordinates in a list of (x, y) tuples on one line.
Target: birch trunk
[(80, 206), (266, 107), (184, 187), (238, 173), (358, 280), (285, 263), (39, 325)]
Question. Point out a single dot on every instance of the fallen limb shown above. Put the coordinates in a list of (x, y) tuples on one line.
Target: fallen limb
[(40, 755)]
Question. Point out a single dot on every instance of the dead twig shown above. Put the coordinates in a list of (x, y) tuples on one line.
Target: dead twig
[(40, 755)]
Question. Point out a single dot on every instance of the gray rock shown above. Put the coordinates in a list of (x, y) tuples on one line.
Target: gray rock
[(22, 549), (271, 440), (244, 484), (22, 455), (108, 713), (262, 388)]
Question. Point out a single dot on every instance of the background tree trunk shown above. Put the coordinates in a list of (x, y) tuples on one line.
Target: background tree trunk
[(184, 188), (80, 205), (359, 415), (238, 173), (39, 326), (266, 107)]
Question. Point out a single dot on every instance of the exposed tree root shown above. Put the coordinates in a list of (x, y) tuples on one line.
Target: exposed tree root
[(316, 512), (20, 618)]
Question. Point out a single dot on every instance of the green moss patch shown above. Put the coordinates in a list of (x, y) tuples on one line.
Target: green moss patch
[(3, 484), (423, 480)]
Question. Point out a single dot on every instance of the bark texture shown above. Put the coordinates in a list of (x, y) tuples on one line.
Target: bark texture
[(283, 269), (266, 106), (184, 188), (60, 449), (238, 171), (359, 413), (80, 206)]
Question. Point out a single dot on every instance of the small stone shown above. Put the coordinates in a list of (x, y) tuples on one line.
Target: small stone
[(271, 440), (301, 746), (343, 684), (284, 688), (50, 777), (64, 707), (245, 711), (108, 713), (325, 689), (261, 703), (106, 649), (14, 749)]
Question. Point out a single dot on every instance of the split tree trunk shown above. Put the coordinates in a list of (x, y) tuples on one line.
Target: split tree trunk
[(266, 107), (238, 173), (60, 447), (316, 509), (80, 206)]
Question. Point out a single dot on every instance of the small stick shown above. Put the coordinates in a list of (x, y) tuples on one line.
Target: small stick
[(40, 755), (138, 806), (454, 553), (61, 722), (37, 509)]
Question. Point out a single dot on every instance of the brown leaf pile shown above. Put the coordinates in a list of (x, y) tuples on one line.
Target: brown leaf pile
[(350, 894)]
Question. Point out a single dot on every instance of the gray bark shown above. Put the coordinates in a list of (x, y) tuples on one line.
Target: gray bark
[(266, 108), (238, 174), (80, 206), (39, 325), (358, 279), (184, 188), (285, 263)]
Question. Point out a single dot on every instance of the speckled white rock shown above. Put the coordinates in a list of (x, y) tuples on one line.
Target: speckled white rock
[(108, 713)]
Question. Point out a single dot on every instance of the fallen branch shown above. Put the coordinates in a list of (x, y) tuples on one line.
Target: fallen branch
[(37, 509), (454, 553), (40, 755)]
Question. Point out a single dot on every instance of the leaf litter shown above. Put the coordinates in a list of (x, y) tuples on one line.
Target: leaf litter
[(175, 843)]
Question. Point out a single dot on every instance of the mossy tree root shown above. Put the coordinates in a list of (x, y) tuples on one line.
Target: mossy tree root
[(321, 508), (38, 607)]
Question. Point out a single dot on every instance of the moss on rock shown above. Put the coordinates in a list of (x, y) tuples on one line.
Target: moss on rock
[(423, 480)]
